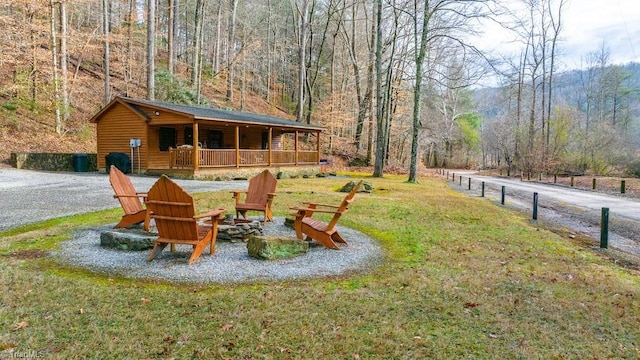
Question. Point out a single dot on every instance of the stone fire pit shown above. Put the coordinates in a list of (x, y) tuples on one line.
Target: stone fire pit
[(237, 230), (136, 239)]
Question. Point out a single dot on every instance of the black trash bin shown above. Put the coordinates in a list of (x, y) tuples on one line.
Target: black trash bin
[(119, 160), (80, 163)]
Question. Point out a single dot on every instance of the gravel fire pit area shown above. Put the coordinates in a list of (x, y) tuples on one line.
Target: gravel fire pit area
[(231, 262)]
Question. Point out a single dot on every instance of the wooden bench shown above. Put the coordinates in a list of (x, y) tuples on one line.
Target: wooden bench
[(130, 200), (320, 231)]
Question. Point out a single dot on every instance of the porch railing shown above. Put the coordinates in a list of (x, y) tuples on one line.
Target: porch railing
[(182, 158)]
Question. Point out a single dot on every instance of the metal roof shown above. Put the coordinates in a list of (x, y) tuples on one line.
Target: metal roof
[(207, 113)]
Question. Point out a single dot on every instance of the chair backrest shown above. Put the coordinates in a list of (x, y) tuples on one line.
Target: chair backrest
[(124, 191), (344, 206), (260, 186), (173, 210)]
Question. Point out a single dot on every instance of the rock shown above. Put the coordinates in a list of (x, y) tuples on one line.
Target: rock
[(289, 222), (275, 247), (239, 232), (128, 239), (364, 187)]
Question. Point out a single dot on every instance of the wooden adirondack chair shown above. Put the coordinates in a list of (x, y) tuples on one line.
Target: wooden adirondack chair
[(259, 196), (322, 232), (174, 212), (130, 200)]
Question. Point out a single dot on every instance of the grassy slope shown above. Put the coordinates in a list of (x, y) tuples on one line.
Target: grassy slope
[(463, 279)]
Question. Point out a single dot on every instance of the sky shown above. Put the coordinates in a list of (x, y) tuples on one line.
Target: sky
[(587, 23)]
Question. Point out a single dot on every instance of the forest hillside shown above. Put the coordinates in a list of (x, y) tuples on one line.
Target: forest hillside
[(393, 85), (27, 120)]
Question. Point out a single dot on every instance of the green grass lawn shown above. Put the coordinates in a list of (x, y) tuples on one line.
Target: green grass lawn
[(462, 278)]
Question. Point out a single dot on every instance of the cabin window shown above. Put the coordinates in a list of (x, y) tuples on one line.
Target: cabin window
[(167, 137), (265, 140), (214, 140), (188, 136)]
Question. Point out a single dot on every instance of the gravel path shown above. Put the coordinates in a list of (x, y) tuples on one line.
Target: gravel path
[(230, 263)]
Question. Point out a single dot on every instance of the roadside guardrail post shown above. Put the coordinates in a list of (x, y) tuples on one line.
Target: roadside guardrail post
[(604, 228)]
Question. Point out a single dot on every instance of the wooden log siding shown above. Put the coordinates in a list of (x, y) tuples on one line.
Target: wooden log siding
[(114, 139)]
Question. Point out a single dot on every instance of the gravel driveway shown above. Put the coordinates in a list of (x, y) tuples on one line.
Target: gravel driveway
[(32, 196)]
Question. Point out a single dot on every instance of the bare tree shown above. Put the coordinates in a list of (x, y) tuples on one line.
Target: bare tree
[(151, 68), (64, 61), (173, 6), (105, 32), (197, 45), (233, 5), (378, 168), (301, 14), (56, 70)]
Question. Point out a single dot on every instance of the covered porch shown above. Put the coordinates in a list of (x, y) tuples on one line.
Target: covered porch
[(256, 146)]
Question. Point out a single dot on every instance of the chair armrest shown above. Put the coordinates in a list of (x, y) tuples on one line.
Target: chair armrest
[(130, 196), (236, 194), (212, 214), (323, 205), (301, 209)]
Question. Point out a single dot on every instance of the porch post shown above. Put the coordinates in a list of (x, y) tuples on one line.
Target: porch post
[(196, 148), (318, 147), (296, 147), (237, 146), (269, 144)]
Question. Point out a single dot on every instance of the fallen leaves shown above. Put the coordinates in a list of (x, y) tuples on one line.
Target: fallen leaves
[(19, 326)]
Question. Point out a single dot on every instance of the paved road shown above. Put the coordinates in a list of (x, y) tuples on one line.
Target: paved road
[(579, 210), (31, 196), (618, 205)]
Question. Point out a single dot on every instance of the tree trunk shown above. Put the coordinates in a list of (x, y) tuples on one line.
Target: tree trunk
[(218, 46), (368, 98), (197, 46), (55, 72), (129, 47), (422, 52), (378, 168), (105, 32), (173, 29), (34, 65), (302, 47), (64, 65), (151, 70), (233, 4)]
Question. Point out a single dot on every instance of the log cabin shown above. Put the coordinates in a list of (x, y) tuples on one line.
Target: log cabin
[(201, 142)]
